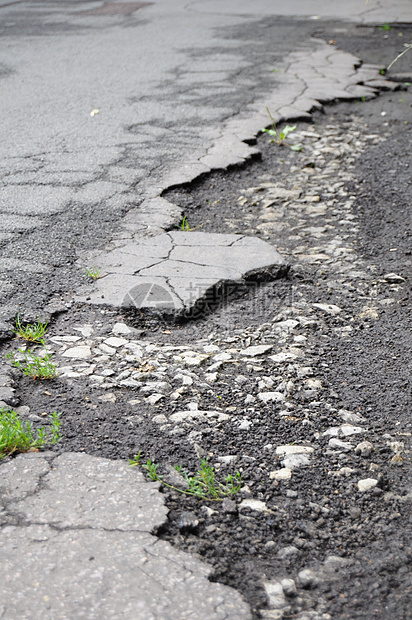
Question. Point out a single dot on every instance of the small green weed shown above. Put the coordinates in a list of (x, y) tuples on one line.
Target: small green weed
[(18, 436), (202, 485), (94, 273), (385, 27), (279, 137), (185, 224), (32, 365), (31, 331)]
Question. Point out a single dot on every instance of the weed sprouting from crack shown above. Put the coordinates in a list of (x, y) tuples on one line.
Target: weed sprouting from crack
[(32, 332), (202, 485), (32, 365), (18, 436), (279, 137), (94, 273), (184, 225)]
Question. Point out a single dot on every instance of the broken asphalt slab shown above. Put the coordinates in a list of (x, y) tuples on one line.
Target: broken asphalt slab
[(178, 271), (77, 542)]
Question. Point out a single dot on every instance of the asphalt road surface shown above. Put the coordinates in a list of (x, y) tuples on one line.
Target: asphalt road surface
[(106, 104)]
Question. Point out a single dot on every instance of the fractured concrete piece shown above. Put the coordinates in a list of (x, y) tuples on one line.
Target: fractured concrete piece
[(181, 272), (84, 547)]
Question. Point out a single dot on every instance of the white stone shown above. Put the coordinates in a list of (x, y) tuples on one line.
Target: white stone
[(106, 349), (193, 359), (222, 357), (97, 379), (228, 460), (155, 386), (183, 416), (210, 348), (268, 397), (115, 342), (313, 384), (346, 471), (293, 449), (328, 308), (159, 419), (364, 448), (369, 312), (108, 398), (338, 444), (286, 552), (275, 594), (125, 374), (154, 398), (299, 339), (186, 380), (295, 460), (286, 326), (85, 330), (221, 417), (285, 356), (122, 328), (348, 416), (254, 504), (245, 425), (259, 349), (281, 474), (366, 484), (308, 578), (289, 587), (70, 338), (215, 366), (80, 353), (130, 383), (211, 377), (136, 349), (101, 359), (88, 370), (107, 372), (241, 379), (345, 430)]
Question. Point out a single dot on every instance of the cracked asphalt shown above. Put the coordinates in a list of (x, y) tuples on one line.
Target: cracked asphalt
[(105, 106)]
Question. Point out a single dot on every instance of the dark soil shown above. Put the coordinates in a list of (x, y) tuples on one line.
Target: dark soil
[(321, 515)]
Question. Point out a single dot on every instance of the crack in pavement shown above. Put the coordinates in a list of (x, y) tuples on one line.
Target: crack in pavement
[(137, 575)]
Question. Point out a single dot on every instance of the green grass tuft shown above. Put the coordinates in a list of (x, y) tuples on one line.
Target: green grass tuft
[(32, 365), (202, 485), (18, 436), (32, 332)]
